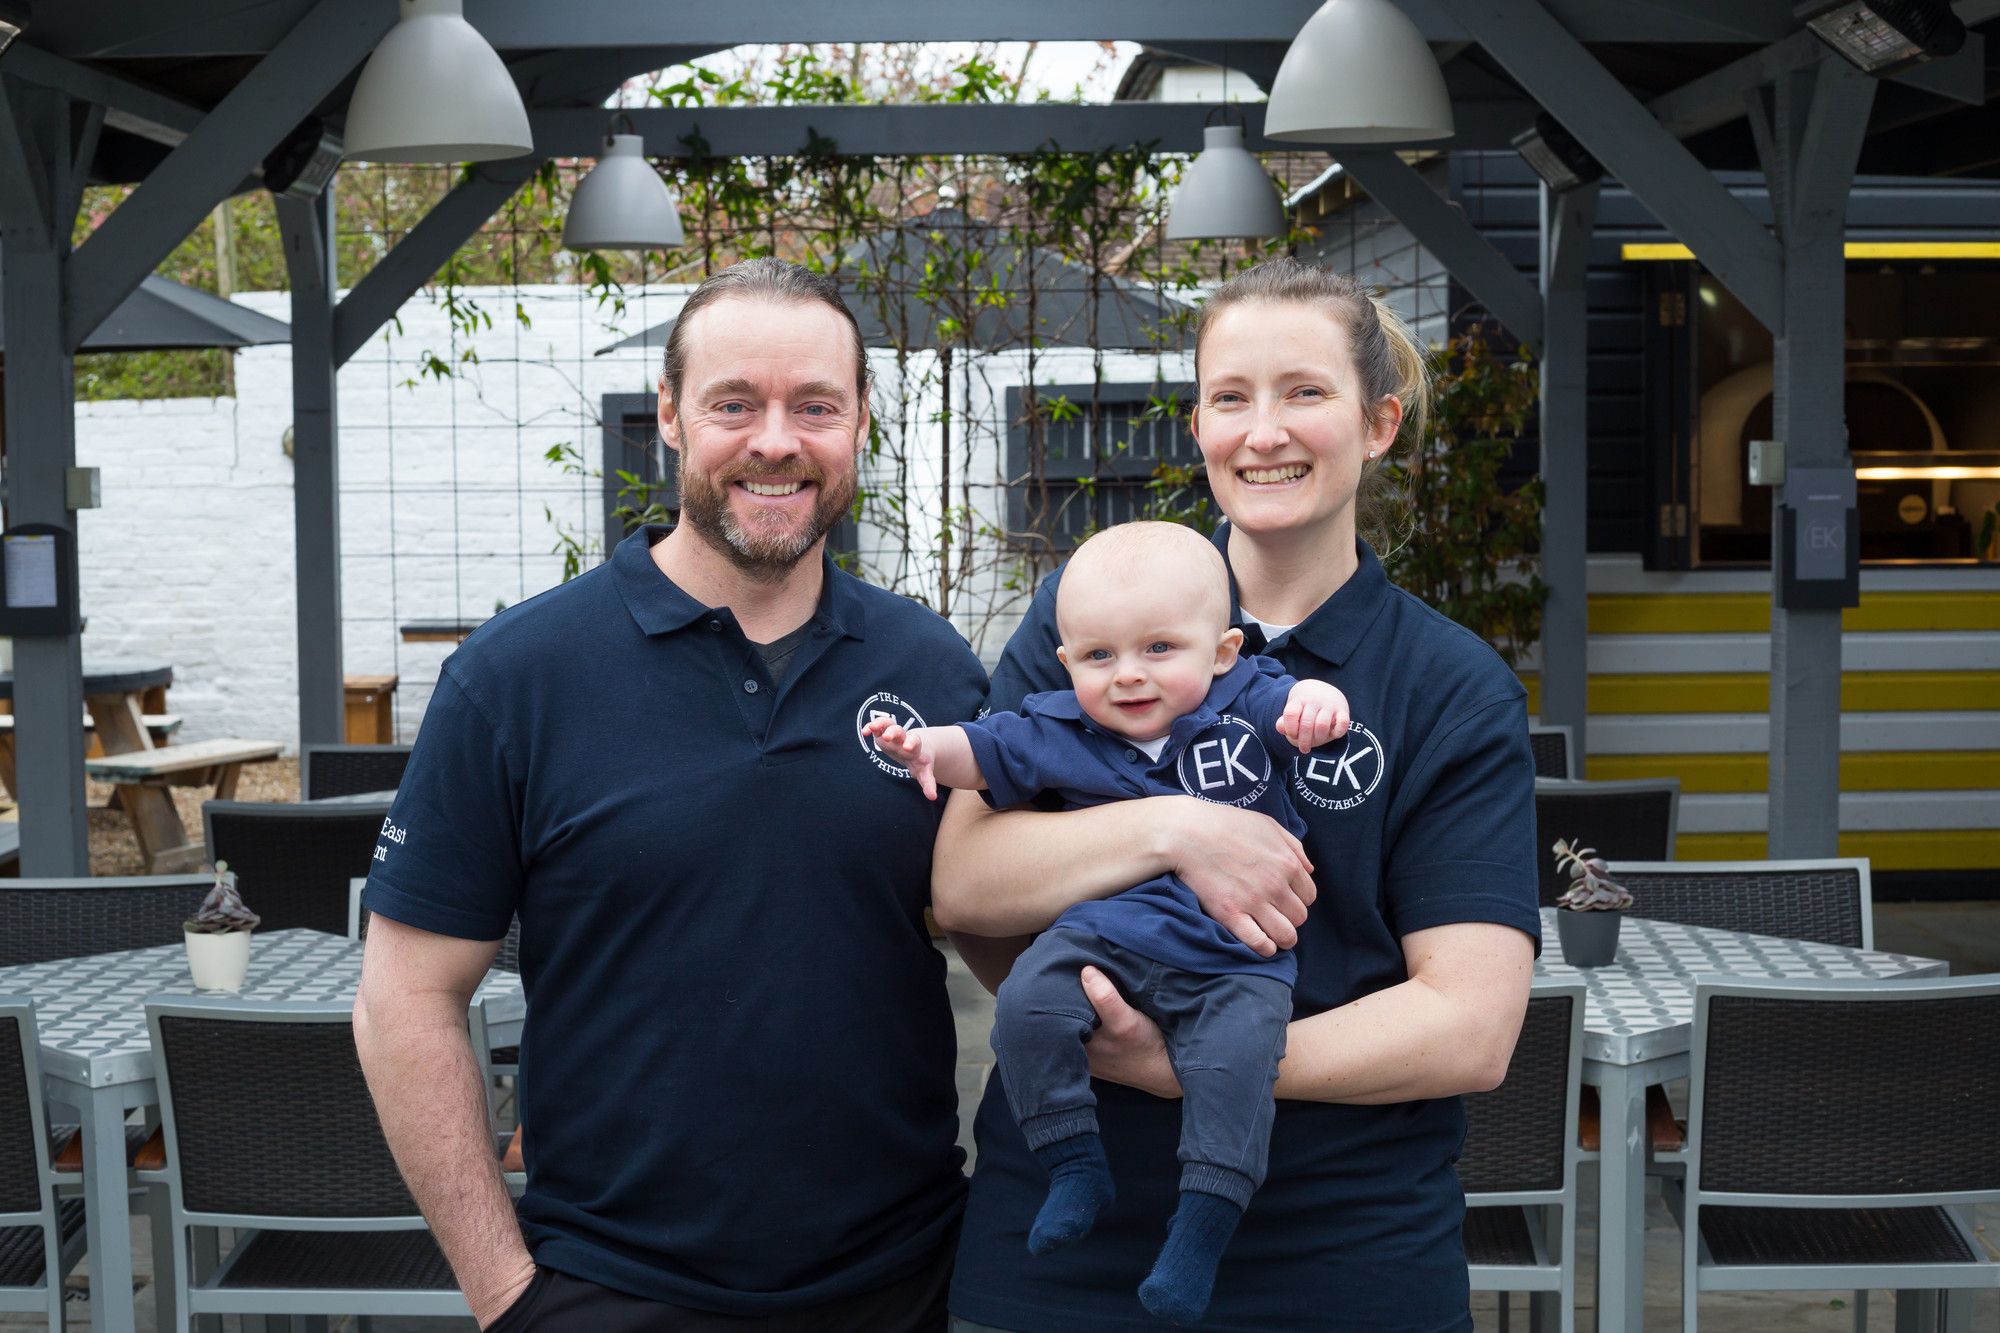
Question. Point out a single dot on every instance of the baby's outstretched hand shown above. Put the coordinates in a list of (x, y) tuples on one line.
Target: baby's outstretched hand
[(1315, 713), (907, 748)]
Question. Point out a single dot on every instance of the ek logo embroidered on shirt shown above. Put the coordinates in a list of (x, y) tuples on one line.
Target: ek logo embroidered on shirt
[(1341, 781), (1226, 764), (883, 704)]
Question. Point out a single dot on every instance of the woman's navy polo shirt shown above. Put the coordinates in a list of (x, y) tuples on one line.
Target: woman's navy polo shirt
[(737, 1068), (1423, 815)]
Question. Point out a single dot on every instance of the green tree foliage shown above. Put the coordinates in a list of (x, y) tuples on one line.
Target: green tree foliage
[(1464, 545)]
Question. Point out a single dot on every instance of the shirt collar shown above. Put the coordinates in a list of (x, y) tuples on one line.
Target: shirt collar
[(659, 605), (1336, 627)]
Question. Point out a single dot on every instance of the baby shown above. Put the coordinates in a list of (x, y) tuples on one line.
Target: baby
[(1163, 704)]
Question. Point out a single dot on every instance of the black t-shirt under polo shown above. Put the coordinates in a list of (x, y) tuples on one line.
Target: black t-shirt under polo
[(1423, 815), (737, 1068)]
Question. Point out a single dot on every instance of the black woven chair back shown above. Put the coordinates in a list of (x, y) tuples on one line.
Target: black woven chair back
[(350, 770), (1851, 1096), (1821, 904), (1514, 1134), (20, 1159), (274, 1120), (1621, 825), (1551, 751), (292, 867), (509, 957), (40, 923)]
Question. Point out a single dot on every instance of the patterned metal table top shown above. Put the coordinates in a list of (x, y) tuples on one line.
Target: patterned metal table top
[(1641, 1007), (91, 1012)]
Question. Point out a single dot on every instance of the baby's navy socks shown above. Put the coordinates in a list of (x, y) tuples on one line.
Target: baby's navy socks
[(1079, 1189), (1183, 1277)]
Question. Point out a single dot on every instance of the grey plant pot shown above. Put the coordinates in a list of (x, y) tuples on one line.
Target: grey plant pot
[(1589, 939)]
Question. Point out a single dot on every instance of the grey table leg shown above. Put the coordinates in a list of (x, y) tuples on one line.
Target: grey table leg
[(1621, 1205), (107, 1226)]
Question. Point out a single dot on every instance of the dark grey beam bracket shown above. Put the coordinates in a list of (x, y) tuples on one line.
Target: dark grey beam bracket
[(1663, 175), (1568, 220), (29, 62), (1443, 230), (228, 144)]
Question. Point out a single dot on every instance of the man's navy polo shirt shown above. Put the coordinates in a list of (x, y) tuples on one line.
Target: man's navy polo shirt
[(1228, 750), (737, 1074), (1423, 815)]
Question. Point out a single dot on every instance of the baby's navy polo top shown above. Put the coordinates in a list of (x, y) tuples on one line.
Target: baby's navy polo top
[(1228, 750), (737, 1068), (1423, 815)]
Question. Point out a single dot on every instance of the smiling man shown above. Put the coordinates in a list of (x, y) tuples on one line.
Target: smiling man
[(737, 1068)]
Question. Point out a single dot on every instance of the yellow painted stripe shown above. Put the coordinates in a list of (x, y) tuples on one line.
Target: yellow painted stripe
[(1901, 849), (1534, 684), (1750, 612), (1750, 692), (1909, 770), (1855, 250)]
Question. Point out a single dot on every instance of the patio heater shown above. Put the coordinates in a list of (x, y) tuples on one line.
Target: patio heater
[(1358, 72), (435, 91), (1225, 194), (1883, 36), (622, 204), (1556, 156)]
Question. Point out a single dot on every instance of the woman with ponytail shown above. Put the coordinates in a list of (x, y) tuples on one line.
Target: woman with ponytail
[(1410, 903)]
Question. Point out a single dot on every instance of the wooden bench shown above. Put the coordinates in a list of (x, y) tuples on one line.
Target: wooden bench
[(159, 728), (142, 777)]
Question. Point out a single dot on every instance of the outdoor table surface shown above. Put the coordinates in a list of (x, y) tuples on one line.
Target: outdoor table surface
[(97, 1057), (1638, 1028), (110, 676)]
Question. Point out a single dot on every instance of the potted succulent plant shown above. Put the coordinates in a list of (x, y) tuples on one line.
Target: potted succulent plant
[(1589, 910), (218, 936)]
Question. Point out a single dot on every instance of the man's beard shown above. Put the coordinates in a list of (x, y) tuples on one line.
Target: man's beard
[(767, 548)]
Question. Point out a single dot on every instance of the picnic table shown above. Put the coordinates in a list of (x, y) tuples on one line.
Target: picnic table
[(143, 777), (97, 1059), (120, 697), (1638, 1029)]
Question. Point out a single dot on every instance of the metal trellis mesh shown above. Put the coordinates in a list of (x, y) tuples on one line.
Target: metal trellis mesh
[(41, 925), (1819, 905), (1851, 1096), (273, 1119), (293, 869), (1514, 1134)]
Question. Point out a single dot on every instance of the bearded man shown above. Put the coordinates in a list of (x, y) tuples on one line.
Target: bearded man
[(737, 1066)]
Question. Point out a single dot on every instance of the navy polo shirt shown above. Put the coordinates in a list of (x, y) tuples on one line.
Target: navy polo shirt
[(1228, 750), (1423, 815), (737, 1068)]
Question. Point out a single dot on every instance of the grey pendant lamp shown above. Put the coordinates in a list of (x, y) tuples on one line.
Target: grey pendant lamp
[(622, 204), (435, 91), (1358, 72), (1225, 193)]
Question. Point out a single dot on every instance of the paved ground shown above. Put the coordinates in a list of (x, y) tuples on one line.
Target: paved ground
[(1965, 934)]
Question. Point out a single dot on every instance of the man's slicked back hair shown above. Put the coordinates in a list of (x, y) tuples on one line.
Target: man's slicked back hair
[(774, 282)]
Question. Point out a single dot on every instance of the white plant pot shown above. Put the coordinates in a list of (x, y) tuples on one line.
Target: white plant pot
[(218, 962)]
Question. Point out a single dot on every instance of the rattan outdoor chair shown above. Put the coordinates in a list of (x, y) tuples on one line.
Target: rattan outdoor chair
[(42, 920), (1625, 821), (292, 862), (350, 770), (1839, 1135), (1828, 901), (1555, 751), (323, 1223), (1519, 1164), (41, 1236)]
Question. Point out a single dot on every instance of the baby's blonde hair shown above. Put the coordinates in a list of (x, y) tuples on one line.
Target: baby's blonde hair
[(1154, 550)]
